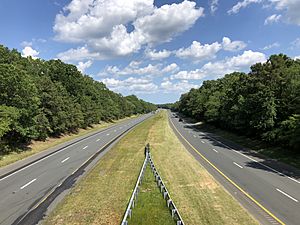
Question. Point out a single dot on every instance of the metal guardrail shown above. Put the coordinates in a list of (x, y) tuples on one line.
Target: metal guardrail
[(171, 205), (128, 212)]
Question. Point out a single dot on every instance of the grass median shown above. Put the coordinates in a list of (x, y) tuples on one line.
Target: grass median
[(151, 208), (39, 146), (102, 196)]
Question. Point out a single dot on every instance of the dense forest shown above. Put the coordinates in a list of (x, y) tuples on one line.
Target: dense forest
[(265, 103), (41, 98)]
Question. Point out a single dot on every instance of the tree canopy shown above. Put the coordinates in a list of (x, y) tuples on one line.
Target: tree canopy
[(265, 103), (41, 98)]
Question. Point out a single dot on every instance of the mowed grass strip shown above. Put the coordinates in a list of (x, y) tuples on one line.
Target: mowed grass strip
[(39, 146), (150, 208), (199, 198), (102, 196)]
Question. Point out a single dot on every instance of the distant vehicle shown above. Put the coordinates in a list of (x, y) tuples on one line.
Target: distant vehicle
[(180, 120)]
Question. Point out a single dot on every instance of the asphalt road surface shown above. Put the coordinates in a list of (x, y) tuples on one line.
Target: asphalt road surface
[(272, 196), (25, 189)]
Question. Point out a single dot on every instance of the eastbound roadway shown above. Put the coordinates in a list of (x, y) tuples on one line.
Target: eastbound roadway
[(272, 196), (24, 191)]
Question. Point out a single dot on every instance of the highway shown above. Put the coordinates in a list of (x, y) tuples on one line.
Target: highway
[(271, 196), (26, 189)]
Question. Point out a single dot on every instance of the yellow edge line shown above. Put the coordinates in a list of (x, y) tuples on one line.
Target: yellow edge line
[(227, 178)]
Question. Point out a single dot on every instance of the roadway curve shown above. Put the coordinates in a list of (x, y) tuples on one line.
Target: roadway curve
[(27, 192), (272, 196)]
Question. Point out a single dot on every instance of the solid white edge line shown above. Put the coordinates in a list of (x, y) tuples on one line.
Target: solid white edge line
[(287, 195), (237, 165), (47, 157), (65, 160), (85, 147), (30, 182), (276, 171), (294, 180)]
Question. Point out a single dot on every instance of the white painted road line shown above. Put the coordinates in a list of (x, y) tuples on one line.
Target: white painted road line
[(115, 130), (85, 147), (30, 182), (203, 142), (276, 171), (65, 160), (297, 181), (237, 165), (107, 134), (287, 195), (98, 139), (194, 135), (215, 150)]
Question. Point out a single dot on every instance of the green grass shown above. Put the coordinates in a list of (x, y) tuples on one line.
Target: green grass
[(278, 153), (102, 196), (150, 208), (39, 146), (199, 198)]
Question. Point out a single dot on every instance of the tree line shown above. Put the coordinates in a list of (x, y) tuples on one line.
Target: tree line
[(41, 98), (265, 103)]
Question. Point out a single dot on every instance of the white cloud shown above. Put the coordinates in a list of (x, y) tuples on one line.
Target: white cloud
[(78, 54), (131, 84), (232, 46), (222, 67), (180, 86), (102, 25), (272, 19), (214, 5), (197, 74), (290, 8), (297, 57), (242, 4), (82, 66), (168, 21), (29, 51), (173, 67), (134, 69), (273, 45), (196, 51), (157, 55)]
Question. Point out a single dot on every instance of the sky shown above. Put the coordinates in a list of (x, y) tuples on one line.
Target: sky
[(156, 50)]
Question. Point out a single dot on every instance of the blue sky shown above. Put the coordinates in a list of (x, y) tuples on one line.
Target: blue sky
[(154, 49)]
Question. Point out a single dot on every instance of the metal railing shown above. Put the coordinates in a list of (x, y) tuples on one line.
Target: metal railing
[(170, 204), (131, 204), (163, 189)]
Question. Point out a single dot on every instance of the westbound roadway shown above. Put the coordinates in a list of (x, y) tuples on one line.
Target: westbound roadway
[(24, 190), (272, 196)]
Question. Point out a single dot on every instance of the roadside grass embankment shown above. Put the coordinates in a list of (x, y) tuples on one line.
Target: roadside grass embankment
[(102, 196), (199, 198), (39, 146)]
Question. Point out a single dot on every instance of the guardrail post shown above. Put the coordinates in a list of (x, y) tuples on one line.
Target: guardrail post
[(169, 203), (173, 212)]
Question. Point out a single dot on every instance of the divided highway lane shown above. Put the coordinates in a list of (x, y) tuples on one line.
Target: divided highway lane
[(277, 193), (24, 189)]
